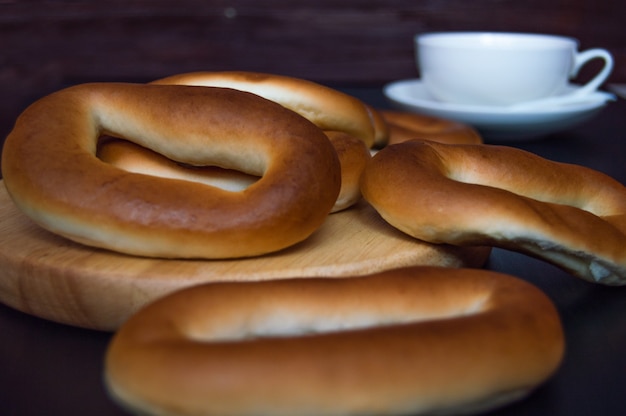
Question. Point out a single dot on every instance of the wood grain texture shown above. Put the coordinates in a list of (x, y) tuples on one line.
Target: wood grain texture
[(52, 278)]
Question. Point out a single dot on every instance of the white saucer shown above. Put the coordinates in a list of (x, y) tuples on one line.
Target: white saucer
[(498, 123)]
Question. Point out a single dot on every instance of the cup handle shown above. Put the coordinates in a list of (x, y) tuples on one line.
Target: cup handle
[(580, 59)]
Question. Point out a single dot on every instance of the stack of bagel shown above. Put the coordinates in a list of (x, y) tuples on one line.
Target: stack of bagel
[(233, 165)]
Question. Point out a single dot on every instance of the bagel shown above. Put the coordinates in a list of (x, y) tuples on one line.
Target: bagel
[(52, 173), (407, 341), (403, 126), (569, 215), (326, 107)]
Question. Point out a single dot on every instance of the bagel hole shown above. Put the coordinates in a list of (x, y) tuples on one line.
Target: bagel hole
[(137, 159)]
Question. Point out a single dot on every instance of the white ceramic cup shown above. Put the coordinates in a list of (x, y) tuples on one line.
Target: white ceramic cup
[(492, 68)]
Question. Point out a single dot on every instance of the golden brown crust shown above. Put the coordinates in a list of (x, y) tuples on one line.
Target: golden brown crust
[(381, 128), (499, 196), (327, 108), (353, 157), (405, 126), (52, 173), (406, 341)]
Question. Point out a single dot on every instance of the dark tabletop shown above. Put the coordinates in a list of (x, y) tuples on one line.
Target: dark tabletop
[(52, 369)]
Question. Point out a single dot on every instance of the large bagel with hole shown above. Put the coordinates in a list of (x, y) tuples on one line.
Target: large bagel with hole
[(407, 341), (52, 173), (500, 196)]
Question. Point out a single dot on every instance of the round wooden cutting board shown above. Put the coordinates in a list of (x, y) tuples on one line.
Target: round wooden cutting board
[(53, 278)]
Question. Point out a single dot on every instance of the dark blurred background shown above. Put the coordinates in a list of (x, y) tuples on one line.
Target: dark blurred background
[(47, 45)]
